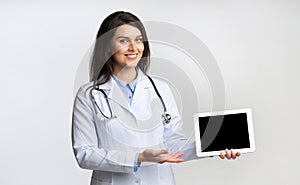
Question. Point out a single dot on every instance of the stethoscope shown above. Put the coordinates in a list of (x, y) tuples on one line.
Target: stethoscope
[(166, 117)]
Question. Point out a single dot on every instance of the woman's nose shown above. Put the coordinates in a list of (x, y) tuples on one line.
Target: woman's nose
[(132, 46)]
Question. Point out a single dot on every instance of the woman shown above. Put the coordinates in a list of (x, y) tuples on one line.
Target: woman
[(117, 130)]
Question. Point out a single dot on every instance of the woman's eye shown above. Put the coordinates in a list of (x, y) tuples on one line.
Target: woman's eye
[(123, 41), (139, 40)]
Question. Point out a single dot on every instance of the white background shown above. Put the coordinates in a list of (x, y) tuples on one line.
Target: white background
[(256, 45)]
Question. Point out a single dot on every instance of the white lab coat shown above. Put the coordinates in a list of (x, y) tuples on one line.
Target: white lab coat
[(108, 147)]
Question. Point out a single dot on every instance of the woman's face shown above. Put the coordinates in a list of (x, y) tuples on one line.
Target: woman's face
[(127, 47)]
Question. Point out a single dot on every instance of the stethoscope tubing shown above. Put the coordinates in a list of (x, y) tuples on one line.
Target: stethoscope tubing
[(106, 99), (166, 117)]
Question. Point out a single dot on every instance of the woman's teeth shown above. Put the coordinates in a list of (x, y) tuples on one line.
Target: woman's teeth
[(131, 55)]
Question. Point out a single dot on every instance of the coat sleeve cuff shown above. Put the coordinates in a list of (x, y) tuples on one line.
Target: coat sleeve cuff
[(136, 164)]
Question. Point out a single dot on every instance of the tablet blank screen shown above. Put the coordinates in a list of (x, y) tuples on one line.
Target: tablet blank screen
[(231, 133)]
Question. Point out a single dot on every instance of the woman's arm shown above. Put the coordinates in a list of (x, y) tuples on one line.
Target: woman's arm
[(85, 141), (174, 137)]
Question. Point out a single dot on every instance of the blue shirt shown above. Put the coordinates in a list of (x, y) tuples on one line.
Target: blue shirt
[(127, 88)]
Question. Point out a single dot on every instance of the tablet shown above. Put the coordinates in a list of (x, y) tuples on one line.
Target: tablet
[(216, 131)]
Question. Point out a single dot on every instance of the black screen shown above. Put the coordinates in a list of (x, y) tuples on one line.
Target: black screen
[(224, 131)]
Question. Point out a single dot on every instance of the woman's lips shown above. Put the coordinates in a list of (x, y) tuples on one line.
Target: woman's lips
[(131, 56)]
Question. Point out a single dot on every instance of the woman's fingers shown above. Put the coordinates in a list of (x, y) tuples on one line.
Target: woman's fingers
[(154, 153), (175, 157), (160, 156), (222, 155), (233, 154), (172, 157), (229, 154), (178, 154), (159, 152)]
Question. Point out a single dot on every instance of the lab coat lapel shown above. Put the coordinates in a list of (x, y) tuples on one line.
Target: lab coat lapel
[(115, 94), (147, 106), (141, 93)]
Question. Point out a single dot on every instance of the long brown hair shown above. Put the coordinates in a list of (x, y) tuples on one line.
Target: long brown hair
[(101, 67)]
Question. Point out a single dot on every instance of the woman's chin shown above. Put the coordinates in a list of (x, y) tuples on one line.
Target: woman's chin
[(132, 64)]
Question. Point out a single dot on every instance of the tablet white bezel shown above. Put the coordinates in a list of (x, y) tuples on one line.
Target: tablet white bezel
[(225, 112)]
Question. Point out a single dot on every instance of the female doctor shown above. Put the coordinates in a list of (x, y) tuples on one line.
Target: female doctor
[(125, 125)]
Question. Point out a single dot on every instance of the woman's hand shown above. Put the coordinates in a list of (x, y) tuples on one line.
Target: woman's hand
[(229, 154), (160, 156)]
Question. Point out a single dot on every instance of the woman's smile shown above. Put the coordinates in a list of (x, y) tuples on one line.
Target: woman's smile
[(132, 56)]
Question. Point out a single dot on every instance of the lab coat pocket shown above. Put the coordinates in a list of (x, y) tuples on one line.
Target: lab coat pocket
[(112, 135)]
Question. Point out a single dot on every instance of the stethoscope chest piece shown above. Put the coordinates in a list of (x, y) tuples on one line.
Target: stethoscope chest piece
[(166, 117)]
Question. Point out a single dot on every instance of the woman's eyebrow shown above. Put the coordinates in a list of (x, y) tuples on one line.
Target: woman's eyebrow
[(122, 37), (127, 37)]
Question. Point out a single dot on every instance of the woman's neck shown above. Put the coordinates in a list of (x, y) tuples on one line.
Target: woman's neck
[(126, 74)]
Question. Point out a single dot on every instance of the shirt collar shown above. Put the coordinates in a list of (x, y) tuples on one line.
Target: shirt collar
[(131, 85)]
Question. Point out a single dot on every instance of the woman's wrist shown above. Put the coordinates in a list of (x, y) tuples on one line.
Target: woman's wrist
[(140, 157)]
